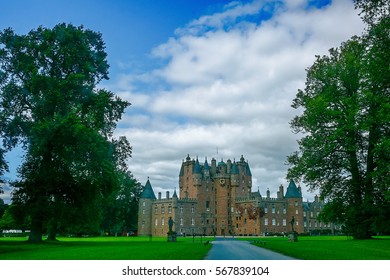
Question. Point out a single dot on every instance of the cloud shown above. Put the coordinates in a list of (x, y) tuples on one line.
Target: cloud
[(227, 80)]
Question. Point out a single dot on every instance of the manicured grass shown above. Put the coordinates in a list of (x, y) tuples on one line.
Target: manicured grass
[(329, 247), (104, 248)]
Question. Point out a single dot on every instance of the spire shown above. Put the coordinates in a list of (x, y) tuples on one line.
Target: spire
[(174, 194), (248, 170), (292, 190), (197, 169), (206, 165), (148, 191)]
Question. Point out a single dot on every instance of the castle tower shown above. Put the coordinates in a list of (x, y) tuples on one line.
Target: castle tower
[(294, 207), (197, 174), (235, 175), (189, 176), (145, 210), (206, 169)]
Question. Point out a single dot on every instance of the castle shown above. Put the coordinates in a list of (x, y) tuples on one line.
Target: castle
[(217, 199)]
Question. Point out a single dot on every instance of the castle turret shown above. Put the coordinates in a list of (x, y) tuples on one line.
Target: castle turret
[(280, 193), (206, 169), (175, 199), (145, 210), (294, 206), (197, 173), (213, 166), (228, 166), (235, 175)]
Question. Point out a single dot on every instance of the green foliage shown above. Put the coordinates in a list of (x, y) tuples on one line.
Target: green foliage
[(50, 103), (373, 10), (121, 210), (345, 123)]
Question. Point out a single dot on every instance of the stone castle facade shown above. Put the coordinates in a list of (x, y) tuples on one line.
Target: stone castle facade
[(217, 199)]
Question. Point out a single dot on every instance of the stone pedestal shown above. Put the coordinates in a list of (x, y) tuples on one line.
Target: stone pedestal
[(171, 236), (293, 236)]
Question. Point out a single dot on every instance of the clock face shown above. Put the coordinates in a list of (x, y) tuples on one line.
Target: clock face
[(222, 181)]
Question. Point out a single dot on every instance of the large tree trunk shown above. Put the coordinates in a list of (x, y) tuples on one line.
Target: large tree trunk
[(36, 231), (52, 231)]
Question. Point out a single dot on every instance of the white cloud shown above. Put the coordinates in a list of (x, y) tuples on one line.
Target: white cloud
[(229, 88)]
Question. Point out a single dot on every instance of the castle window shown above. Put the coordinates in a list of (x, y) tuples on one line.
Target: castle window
[(143, 203), (162, 210), (266, 210), (207, 205), (162, 221), (143, 211), (266, 221), (143, 224), (181, 221), (284, 209), (192, 209), (273, 222), (181, 209), (155, 222), (311, 214), (284, 222), (273, 209), (155, 210), (169, 209), (296, 211), (192, 221)]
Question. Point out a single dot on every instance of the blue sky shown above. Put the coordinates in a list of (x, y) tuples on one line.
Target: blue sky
[(202, 74)]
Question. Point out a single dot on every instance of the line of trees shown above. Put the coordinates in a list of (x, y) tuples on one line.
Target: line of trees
[(345, 120), (50, 104)]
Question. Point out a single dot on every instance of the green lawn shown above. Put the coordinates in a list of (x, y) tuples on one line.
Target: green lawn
[(104, 248), (140, 248), (329, 247)]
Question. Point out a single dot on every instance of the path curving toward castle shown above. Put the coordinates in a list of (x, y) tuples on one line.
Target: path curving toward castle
[(233, 249)]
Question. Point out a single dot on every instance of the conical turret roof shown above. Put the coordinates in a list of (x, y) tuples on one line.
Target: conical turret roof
[(148, 191), (292, 190), (234, 170)]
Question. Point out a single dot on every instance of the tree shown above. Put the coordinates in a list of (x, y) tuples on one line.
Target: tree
[(121, 211), (345, 150), (373, 11), (50, 104), (3, 168)]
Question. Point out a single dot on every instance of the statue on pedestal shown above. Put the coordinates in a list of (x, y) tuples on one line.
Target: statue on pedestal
[(170, 224), (292, 223)]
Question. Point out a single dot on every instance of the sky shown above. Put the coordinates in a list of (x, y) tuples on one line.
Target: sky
[(212, 79)]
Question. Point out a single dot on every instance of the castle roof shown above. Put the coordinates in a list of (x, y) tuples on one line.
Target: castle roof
[(234, 169), (292, 191), (197, 168), (174, 194), (148, 191), (248, 170), (206, 165)]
